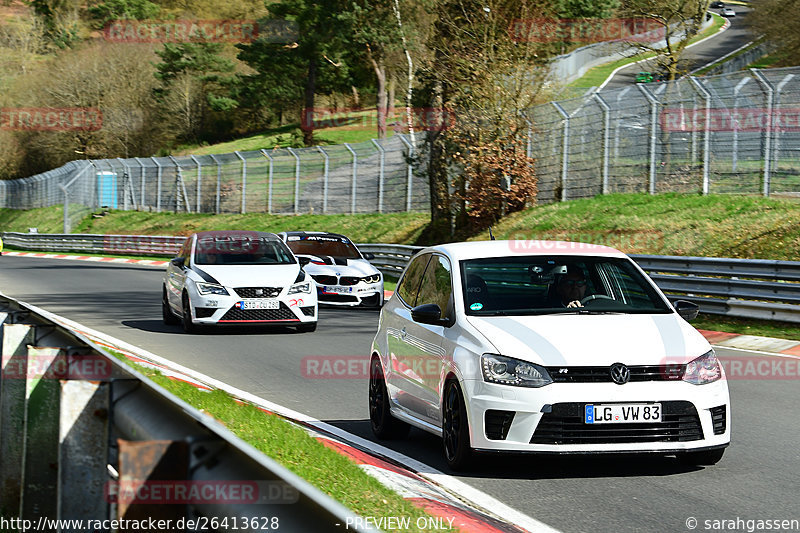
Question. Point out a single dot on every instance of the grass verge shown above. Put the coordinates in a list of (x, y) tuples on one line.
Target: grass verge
[(749, 326), (294, 448)]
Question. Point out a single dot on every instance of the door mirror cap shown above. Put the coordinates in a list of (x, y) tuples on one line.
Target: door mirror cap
[(303, 260), (428, 314), (179, 262), (687, 310), (369, 256)]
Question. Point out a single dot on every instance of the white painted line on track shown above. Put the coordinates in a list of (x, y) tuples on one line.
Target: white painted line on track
[(457, 488)]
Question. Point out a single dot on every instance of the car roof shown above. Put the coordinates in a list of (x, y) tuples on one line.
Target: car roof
[(217, 234), (479, 249)]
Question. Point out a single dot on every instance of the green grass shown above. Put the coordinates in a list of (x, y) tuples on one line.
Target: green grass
[(597, 75), (290, 445), (762, 328)]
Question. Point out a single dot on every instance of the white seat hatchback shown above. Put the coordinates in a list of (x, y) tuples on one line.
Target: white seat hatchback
[(545, 347)]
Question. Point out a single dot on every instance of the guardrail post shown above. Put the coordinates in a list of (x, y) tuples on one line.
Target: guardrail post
[(702, 91), (766, 138), (409, 170), (158, 184), (380, 174), (564, 150), (325, 171), (296, 180), (15, 339), (606, 133), (219, 183), (653, 126), (199, 179), (355, 177), (735, 121), (269, 180), (244, 181)]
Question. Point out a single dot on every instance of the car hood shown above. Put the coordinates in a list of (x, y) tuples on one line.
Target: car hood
[(249, 275), (354, 267), (593, 340)]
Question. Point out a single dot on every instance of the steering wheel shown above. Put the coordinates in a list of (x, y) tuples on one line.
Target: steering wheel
[(595, 297)]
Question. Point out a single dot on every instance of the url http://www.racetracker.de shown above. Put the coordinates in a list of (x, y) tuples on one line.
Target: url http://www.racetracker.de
[(262, 523), (750, 525)]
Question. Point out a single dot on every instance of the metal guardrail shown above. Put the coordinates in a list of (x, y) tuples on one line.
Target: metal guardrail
[(748, 288), (81, 432)]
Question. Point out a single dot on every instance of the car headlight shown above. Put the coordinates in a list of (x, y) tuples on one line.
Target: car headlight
[(375, 278), (211, 288), (300, 287), (510, 371), (704, 369)]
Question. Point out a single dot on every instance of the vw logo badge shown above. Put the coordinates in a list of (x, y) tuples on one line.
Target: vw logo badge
[(620, 374)]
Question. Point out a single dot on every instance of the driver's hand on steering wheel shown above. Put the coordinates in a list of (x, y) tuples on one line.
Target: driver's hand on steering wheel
[(574, 303)]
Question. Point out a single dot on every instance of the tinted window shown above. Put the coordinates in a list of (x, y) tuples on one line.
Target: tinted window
[(436, 286), (186, 249), (241, 250), (522, 285), (323, 245), (407, 289)]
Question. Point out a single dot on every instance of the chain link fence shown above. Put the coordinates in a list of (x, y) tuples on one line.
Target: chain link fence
[(733, 133)]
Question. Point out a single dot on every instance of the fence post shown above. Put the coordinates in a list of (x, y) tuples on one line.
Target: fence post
[(66, 224), (410, 170), (355, 175), (180, 186), (142, 200), (735, 122), (776, 120), (766, 144), (606, 133), (529, 138), (296, 180), (269, 181), (219, 180), (128, 185), (707, 128), (380, 174), (564, 150), (324, 180), (199, 178), (618, 124), (244, 181), (653, 125), (158, 184)]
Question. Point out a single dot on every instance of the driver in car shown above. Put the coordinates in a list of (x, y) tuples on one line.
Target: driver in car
[(572, 287)]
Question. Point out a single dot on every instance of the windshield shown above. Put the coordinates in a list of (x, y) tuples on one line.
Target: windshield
[(533, 285), (241, 250), (323, 245)]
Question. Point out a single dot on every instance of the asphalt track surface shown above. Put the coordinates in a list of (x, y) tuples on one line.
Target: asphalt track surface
[(757, 479), (737, 35)]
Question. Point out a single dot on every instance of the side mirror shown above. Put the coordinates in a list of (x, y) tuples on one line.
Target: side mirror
[(179, 262), (428, 314), (687, 310), (369, 256), (303, 261)]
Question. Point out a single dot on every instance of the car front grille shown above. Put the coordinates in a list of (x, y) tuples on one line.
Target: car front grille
[(336, 297), (326, 280), (602, 374), (497, 423), (235, 314), (349, 280), (253, 292), (720, 419), (565, 425)]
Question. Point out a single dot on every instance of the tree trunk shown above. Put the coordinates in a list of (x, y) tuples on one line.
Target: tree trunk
[(356, 97), (380, 75), (311, 83), (391, 96), (437, 166)]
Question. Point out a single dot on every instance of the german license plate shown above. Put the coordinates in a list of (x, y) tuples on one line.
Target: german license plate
[(622, 413), (338, 289), (259, 303)]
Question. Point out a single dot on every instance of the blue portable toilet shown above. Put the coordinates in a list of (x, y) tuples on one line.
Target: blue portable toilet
[(107, 189)]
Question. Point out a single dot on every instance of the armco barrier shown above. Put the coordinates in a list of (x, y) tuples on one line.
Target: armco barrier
[(749, 288), (81, 432)]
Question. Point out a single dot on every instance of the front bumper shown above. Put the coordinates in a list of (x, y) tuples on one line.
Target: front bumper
[(225, 310), (550, 419), (361, 294)]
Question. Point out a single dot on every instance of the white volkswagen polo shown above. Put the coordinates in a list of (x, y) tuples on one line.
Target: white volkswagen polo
[(545, 347), (236, 278)]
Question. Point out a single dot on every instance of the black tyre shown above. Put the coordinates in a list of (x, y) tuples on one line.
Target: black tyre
[(706, 457), (186, 320), (384, 425), (167, 315), (455, 428), (307, 328)]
